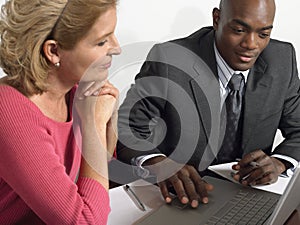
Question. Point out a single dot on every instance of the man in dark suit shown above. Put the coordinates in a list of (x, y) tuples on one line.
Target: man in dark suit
[(172, 123)]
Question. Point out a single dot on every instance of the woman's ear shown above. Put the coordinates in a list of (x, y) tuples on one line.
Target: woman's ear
[(216, 17), (50, 49)]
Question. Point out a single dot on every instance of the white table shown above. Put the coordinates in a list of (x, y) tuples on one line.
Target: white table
[(123, 209)]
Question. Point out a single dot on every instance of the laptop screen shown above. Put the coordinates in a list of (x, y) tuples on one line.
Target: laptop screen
[(288, 202)]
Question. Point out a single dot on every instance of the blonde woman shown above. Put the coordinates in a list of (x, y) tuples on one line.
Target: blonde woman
[(50, 171)]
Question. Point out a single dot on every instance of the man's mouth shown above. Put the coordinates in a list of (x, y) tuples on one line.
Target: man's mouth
[(246, 57)]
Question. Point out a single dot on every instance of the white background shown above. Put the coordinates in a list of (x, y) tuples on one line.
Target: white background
[(161, 20)]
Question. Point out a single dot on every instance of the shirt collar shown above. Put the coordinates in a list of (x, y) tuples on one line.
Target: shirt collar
[(225, 72)]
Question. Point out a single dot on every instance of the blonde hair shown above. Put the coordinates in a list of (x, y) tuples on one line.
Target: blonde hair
[(26, 24)]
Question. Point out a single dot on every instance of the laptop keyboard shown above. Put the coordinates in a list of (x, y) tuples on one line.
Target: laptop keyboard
[(245, 209)]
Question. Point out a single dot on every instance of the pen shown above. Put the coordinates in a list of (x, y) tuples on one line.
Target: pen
[(253, 164), (232, 174), (134, 197)]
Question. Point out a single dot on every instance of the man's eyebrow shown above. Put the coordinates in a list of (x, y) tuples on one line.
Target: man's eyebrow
[(267, 28), (241, 22)]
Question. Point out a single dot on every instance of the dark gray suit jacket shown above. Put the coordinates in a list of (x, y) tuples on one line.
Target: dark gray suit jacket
[(173, 107)]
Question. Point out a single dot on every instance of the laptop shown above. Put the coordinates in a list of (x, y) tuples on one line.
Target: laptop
[(231, 203)]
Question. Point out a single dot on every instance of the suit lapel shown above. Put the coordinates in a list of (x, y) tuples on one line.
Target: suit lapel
[(205, 86), (206, 90), (258, 88), (207, 97)]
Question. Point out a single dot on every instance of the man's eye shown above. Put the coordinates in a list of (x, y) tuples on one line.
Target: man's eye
[(102, 43), (238, 30), (263, 35)]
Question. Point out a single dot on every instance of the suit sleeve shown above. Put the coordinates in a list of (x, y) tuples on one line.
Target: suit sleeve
[(290, 120), (139, 125)]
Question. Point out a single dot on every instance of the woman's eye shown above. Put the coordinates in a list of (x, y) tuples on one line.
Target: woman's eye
[(102, 43)]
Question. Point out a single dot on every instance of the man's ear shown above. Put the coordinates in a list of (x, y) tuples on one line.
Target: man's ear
[(216, 17), (50, 49)]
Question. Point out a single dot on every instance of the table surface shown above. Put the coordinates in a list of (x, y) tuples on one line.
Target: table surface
[(124, 211), (294, 219)]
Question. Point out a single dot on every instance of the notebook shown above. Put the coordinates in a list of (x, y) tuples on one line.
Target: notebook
[(232, 203)]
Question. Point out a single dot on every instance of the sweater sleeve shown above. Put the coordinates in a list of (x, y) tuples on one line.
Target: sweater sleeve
[(31, 167)]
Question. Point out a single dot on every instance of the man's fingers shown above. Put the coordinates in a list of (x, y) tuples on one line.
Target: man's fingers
[(268, 179), (203, 191), (202, 187), (165, 192), (179, 188), (260, 175), (258, 168), (251, 157), (188, 186), (236, 166), (209, 187), (191, 191), (245, 171)]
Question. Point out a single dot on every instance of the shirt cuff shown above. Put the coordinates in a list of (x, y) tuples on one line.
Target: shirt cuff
[(290, 171), (138, 162)]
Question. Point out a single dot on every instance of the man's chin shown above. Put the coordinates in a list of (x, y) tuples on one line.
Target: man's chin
[(243, 66)]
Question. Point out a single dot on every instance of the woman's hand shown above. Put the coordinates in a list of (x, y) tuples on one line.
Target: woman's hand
[(96, 102), (106, 115), (96, 105), (107, 104)]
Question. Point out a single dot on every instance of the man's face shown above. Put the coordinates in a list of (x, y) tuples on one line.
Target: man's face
[(242, 30)]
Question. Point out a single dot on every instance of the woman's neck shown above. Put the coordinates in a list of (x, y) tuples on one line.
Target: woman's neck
[(53, 105)]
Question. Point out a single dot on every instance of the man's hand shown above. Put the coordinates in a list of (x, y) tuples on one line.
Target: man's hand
[(184, 179), (257, 168)]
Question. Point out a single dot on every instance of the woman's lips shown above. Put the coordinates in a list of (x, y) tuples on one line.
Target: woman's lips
[(106, 66)]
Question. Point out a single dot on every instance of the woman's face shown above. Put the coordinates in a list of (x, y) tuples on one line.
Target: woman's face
[(92, 56)]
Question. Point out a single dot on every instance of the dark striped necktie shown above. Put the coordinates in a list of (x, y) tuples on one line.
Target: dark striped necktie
[(231, 145)]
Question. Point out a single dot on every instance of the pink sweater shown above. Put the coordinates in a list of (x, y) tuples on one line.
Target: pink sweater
[(39, 161)]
